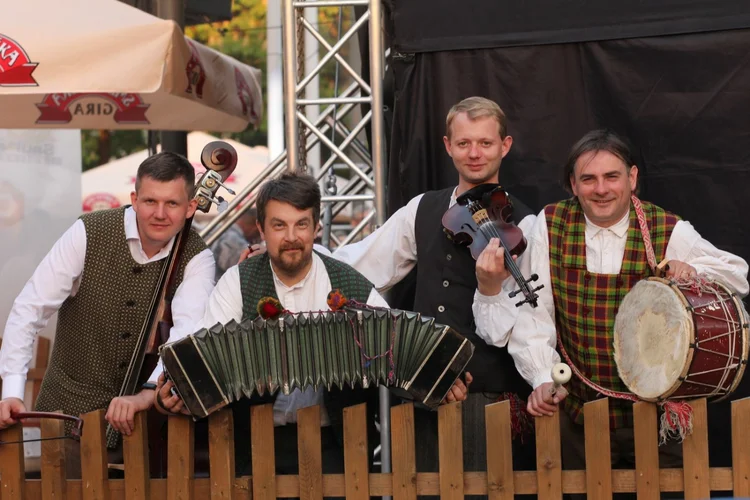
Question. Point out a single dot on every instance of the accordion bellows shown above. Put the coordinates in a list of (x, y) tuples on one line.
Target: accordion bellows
[(412, 354)]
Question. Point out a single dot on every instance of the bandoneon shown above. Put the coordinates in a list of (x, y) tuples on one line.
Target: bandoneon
[(410, 353)]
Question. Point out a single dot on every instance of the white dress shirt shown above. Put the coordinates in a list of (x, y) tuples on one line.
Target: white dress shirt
[(310, 294), (387, 255), (534, 337), (59, 276)]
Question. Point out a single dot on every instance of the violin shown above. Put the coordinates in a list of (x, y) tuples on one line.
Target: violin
[(483, 213)]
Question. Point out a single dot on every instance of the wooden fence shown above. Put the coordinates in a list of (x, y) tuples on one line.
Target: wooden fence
[(500, 481)]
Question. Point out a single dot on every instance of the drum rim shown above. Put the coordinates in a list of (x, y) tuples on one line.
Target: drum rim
[(745, 343)]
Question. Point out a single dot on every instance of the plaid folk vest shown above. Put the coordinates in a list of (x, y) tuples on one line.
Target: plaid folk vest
[(586, 303)]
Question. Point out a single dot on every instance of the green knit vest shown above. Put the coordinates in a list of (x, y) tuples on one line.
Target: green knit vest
[(586, 303), (97, 329), (256, 282)]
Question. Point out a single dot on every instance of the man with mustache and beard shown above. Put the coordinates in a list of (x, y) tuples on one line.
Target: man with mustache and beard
[(288, 210), (589, 251)]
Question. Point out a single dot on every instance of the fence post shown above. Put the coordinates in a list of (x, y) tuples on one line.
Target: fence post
[(181, 460), (263, 454), (53, 459), (646, 451), (403, 452), (221, 454), (94, 475), (11, 463), (598, 449), (135, 456), (356, 463), (310, 458), (451, 451), (695, 455), (740, 451), (499, 451), (548, 457)]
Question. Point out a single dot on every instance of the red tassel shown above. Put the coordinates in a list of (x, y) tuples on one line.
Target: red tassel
[(336, 300), (521, 422)]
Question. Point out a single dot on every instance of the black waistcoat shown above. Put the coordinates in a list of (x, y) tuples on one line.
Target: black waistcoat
[(446, 282)]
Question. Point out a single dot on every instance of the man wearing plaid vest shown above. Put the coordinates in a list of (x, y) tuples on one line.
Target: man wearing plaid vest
[(589, 252)]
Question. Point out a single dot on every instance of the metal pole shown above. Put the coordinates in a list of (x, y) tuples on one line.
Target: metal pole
[(378, 161), (290, 84), (274, 74), (174, 10)]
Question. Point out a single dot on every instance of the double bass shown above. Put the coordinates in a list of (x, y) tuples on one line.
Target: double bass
[(485, 212), (220, 159)]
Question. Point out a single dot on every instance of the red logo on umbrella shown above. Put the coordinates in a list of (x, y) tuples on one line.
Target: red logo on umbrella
[(244, 93), (15, 65), (195, 72), (61, 108)]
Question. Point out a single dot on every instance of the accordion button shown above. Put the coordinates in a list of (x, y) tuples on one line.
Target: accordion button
[(449, 256), (441, 309), (123, 365), (124, 335), (130, 303), (137, 270), (445, 283)]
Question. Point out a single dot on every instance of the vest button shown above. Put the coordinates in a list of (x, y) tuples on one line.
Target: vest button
[(130, 303), (123, 365), (124, 335), (137, 270), (441, 309), (445, 284), (449, 256)]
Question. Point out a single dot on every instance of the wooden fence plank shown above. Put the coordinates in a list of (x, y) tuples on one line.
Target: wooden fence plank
[(646, 451), (11, 463), (263, 454), (53, 459), (221, 454), (499, 451), (181, 460), (356, 463), (310, 457), (695, 454), (548, 457), (740, 450), (451, 451), (598, 450), (403, 453), (135, 457), (94, 457)]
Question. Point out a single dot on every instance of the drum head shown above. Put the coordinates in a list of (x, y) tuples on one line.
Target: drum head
[(653, 331)]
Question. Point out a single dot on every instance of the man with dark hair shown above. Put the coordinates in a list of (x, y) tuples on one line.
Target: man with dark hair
[(301, 279), (102, 310), (589, 251), (470, 296)]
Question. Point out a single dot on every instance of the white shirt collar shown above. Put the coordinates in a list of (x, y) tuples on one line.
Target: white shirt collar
[(620, 228), (301, 283)]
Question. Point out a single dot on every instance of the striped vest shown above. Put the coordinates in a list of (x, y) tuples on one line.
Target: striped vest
[(586, 303)]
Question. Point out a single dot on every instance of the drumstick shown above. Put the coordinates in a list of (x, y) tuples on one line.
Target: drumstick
[(560, 375)]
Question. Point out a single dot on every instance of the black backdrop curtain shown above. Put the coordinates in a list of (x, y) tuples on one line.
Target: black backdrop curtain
[(671, 75)]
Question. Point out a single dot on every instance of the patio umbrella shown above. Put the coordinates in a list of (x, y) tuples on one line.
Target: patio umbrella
[(101, 64)]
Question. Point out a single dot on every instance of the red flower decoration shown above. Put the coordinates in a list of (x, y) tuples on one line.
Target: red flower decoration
[(269, 308), (336, 300)]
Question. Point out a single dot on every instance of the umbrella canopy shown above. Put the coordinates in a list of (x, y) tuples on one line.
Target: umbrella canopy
[(101, 64), (109, 186)]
